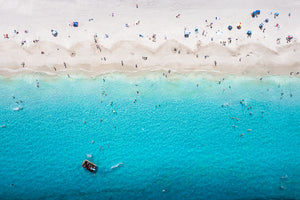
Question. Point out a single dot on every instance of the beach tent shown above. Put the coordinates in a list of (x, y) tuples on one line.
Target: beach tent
[(54, 33), (229, 27), (289, 38), (5, 36), (186, 33), (255, 13), (75, 24)]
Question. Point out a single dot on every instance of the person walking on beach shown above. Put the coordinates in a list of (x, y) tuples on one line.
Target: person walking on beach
[(23, 64), (215, 63)]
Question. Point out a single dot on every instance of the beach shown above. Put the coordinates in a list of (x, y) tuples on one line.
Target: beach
[(144, 36)]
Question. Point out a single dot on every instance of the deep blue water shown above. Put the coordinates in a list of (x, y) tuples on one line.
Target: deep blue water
[(175, 142)]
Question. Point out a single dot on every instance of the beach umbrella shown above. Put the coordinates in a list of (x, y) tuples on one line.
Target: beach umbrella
[(249, 33), (277, 13), (267, 20), (257, 12), (229, 27)]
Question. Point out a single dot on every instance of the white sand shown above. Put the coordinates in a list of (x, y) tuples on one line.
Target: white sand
[(259, 55)]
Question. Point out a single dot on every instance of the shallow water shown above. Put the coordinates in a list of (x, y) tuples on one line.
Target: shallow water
[(175, 142)]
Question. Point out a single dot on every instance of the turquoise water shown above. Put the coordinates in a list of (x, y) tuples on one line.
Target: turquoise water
[(176, 141)]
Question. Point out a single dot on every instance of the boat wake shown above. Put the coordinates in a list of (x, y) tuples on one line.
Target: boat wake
[(116, 166)]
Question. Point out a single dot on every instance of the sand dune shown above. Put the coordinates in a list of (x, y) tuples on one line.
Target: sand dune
[(171, 55)]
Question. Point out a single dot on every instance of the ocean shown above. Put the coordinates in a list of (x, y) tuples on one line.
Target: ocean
[(181, 137)]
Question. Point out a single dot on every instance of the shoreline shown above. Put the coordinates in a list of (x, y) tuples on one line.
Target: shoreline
[(150, 75)]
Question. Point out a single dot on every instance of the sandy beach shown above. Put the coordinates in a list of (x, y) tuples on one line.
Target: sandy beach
[(143, 36)]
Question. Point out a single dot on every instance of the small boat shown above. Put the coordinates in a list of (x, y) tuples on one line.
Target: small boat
[(17, 108), (89, 166)]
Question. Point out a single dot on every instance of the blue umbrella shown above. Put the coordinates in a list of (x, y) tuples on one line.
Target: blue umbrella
[(229, 28), (249, 33), (277, 13)]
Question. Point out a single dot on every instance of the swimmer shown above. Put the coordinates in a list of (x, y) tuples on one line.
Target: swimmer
[(3, 126), (291, 95), (242, 134), (250, 113), (101, 120), (249, 130), (84, 121), (284, 177), (89, 155)]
